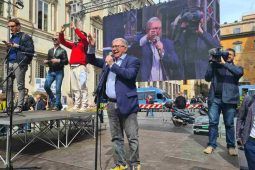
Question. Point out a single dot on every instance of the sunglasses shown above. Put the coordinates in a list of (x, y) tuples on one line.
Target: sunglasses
[(54, 39)]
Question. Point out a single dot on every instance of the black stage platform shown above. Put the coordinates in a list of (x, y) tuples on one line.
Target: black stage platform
[(50, 127)]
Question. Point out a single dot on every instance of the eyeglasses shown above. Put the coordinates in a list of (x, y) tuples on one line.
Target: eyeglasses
[(11, 26), (117, 46), (54, 39), (155, 28)]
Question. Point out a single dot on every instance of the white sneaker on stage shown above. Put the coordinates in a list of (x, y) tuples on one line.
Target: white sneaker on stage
[(73, 109), (81, 110)]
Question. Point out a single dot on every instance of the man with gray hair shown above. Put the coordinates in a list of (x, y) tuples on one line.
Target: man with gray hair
[(159, 60), (118, 86)]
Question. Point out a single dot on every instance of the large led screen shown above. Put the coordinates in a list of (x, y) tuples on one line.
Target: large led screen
[(171, 39)]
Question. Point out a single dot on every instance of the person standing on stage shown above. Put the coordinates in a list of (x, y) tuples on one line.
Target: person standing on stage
[(78, 62), (20, 55), (118, 85), (57, 59)]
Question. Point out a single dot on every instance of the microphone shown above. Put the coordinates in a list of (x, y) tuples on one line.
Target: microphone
[(31, 54), (111, 54), (155, 40)]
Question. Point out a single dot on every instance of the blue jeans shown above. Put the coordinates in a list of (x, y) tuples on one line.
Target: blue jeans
[(118, 125), (228, 111), (249, 150), (58, 77)]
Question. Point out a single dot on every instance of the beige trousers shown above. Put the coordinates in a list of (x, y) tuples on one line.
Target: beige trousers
[(79, 89)]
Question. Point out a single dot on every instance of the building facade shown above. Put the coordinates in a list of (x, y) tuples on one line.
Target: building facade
[(240, 35), (44, 18)]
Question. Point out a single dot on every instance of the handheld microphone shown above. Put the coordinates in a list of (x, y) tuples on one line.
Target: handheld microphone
[(111, 54), (156, 39)]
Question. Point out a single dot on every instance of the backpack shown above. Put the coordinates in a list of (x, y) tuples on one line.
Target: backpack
[(22, 39)]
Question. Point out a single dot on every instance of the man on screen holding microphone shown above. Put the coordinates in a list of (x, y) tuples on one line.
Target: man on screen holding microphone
[(118, 87)]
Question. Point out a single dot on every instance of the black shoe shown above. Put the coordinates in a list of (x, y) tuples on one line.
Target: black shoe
[(17, 110)]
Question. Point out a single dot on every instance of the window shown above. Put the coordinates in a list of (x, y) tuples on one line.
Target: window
[(185, 92), (154, 84), (40, 69), (75, 7), (238, 48), (236, 30), (42, 15), (1, 8), (185, 82), (98, 34), (73, 37)]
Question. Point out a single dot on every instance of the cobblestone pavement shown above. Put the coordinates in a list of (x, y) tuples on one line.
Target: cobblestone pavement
[(162, 147)]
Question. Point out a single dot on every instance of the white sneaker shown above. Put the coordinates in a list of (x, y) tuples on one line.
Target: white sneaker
[(81, 110), (73, 109)]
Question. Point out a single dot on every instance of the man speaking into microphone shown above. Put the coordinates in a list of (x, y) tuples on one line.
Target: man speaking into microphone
[(159, 60), (118, 86), (20, 54)]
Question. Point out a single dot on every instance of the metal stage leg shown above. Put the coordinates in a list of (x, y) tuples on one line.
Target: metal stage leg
[(8, 154)]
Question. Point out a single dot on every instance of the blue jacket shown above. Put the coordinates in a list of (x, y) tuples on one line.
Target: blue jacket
[(170, 60), (125, 87), (26, 49), (230, 92)]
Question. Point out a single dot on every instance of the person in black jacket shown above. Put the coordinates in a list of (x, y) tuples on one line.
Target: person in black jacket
[(223, 97), (20, 54), (57, 58), (29, 102)]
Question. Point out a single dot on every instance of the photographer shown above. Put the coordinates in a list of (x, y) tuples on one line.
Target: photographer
[(223, 96), (192, 42)]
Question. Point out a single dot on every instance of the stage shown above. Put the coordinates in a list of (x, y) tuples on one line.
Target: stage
[(57, 128)]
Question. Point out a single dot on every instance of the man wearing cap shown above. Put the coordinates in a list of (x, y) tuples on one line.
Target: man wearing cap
[(57, 59)]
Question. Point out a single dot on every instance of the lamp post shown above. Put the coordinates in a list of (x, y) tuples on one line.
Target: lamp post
[(19, 5)]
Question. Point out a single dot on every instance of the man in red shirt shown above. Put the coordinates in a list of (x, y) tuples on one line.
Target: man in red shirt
[(78, 62)]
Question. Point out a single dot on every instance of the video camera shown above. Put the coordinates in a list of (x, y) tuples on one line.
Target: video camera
[(217, 53), (193, 19)]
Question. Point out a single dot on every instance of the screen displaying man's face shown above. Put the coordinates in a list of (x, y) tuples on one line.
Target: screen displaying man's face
[(154, 29)]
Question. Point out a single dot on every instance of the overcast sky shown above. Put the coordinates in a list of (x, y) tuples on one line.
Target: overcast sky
[(232, 10)]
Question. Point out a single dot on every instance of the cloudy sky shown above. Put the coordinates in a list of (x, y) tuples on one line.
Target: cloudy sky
[(232, 10)]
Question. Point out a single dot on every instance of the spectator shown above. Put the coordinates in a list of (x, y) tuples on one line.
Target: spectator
[(149, 100), (29, 101), (180, 101), (245, 129), (40, 103), (193, 100)]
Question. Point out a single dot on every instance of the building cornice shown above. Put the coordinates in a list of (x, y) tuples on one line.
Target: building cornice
[(237, 23), (239, 35)]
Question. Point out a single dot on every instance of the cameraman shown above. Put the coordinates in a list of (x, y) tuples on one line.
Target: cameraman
[(223, 97), (192, 42)]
